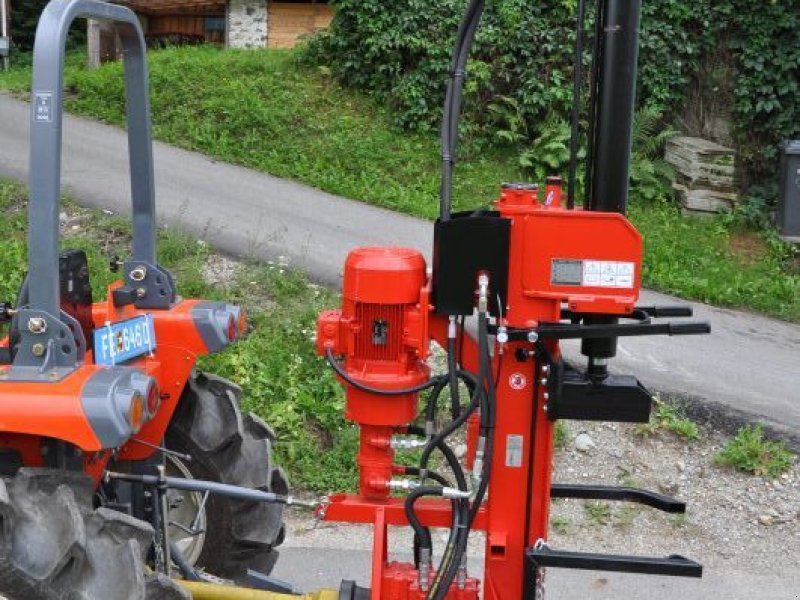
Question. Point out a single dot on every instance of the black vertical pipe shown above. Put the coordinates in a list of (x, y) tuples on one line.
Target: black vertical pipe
[(616, 104), (618, 32)]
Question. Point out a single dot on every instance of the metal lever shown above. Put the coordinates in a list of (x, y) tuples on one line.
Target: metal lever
[(667, 311), (625, 494), (675, 565)]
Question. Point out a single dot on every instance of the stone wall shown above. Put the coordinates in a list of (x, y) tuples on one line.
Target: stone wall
[(247, 23)]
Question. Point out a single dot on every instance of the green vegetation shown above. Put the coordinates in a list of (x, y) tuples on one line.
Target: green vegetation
[(283, 380), (669, 418), (561, 435), (721, 49), (561, 524), (264, 110), (598, 513), (751, 452)]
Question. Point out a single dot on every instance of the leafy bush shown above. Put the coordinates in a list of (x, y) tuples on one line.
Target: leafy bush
[(522, 60)]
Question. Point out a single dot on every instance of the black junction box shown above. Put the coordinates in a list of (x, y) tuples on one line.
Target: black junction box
[(464, 246)]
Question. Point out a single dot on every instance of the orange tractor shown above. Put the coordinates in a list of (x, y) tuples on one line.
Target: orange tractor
[(110, 441)]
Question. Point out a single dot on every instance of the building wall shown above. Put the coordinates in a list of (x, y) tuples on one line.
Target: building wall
[(247, 23), (291, 21)]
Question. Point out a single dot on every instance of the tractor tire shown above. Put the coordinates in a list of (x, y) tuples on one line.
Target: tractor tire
[(234, 448), (54, 545)]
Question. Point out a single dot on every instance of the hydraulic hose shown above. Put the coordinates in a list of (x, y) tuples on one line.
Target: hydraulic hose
[(453, 559), (373, 390), (452, 103), (423, 533), (440, 479), (452, 372)]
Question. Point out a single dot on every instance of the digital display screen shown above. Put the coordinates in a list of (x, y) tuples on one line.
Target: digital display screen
[(567, 272)]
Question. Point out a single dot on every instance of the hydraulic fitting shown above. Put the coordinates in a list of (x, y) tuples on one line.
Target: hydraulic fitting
[(483, 293), (402, 485), (425, 566), (406, 443)]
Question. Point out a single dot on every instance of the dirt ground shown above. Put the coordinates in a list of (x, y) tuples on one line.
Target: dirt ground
[(735, 522)]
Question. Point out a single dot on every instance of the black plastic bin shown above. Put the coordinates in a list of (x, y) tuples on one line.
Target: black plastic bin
[(789, 199)]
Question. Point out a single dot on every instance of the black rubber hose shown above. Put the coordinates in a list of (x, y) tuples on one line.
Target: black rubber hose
[(433, 400), (452, 375), (440, 479), (450, 458), (452, 104), (422, 533), (365, 388), (449, 571)]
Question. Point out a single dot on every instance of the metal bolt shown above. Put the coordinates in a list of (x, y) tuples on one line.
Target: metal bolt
[(533, 337), (545, 408), (139, 273), (37, 325), (38, 350), (543, 381), (141, 293), (546, 370), (546, 396)]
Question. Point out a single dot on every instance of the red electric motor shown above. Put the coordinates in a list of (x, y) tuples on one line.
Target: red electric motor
[(381, 333)]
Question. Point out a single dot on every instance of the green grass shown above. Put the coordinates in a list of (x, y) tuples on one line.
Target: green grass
[(751, 452), (669, 418), (283, 380), (561, 524), (262, 109), (561, 435), (598, 513)]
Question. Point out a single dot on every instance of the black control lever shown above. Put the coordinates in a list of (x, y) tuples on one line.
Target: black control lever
[(625, 494), (658, 312), (6, 312), (639, 322)]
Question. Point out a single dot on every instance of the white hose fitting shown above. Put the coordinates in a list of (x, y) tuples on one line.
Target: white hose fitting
[(455, 494), (406, 443), (403, 485), (483, 292)]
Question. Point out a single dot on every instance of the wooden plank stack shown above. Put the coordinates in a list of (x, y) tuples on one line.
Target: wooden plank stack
[(705, 174)]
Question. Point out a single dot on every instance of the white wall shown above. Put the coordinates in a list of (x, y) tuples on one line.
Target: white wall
[(247, 23)]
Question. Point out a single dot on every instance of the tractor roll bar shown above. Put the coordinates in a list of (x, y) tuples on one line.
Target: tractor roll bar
[(46, 133)]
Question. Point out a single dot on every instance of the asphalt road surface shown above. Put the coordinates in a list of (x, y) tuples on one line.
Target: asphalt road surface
[(309, 569), (749, 366)]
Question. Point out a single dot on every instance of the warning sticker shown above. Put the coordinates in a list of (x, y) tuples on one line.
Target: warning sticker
[(43, 107), (514, 450), (594, 273)]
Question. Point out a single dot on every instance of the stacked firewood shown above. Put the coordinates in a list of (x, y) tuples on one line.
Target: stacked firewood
[(705, 174)]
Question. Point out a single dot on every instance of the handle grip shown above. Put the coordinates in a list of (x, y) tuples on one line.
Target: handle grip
[(697, 328), (678, 310)]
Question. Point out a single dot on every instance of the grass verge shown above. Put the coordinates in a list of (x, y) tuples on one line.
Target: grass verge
[(669, 418), (261, 109), (751, 452), (283, 380)]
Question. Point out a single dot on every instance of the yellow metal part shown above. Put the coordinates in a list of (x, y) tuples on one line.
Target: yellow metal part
[(213, 591)]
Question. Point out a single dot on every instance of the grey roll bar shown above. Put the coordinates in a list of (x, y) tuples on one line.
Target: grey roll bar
[(154, 285)]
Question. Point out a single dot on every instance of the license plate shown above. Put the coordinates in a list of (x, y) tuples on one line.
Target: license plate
[(116, 343)]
